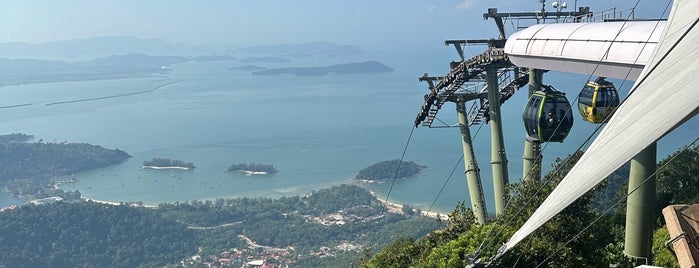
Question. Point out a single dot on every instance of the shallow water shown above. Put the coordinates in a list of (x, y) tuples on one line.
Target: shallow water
[(318, 131)]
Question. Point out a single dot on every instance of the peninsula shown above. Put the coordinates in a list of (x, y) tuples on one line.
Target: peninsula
[(253, 169), (347, 68), (164, 163), (31, 170)]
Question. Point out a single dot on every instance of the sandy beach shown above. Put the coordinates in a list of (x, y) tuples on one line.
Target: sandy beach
[(170, 167), (398, 208), (113, 203)]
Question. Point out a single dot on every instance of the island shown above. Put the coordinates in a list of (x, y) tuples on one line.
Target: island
[(347, 68), (164, 163), (386, 170), (253, 169)]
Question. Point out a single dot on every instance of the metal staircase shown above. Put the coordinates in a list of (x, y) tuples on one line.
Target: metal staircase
[(449, 87), (460, 73), (513, 79)]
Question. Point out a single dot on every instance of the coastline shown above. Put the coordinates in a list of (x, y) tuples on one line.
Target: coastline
[(168, 167), (398, 208), (250, 172), (113, 203)]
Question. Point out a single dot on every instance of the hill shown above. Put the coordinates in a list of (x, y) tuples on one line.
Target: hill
[(87, 234), (325, 228), (29, 168), (386, 170)]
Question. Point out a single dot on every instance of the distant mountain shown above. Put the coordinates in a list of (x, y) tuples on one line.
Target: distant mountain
[(110, 45), (249, 68), (358, 67), (136, 59), (300, 50), (214, 58), (265, 59), (25, 71), (97, 46)]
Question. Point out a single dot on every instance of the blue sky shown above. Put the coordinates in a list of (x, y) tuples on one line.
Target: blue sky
[(366, 23)]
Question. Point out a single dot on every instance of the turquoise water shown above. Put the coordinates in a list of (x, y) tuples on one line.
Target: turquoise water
[(318, 131)]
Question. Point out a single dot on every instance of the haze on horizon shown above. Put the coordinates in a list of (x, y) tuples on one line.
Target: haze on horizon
[(218, 23)]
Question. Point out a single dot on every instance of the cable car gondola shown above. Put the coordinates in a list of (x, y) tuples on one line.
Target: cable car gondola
[(547, 116), (598, 100)]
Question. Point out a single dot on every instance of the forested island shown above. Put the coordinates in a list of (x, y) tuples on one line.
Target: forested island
[(31, 169), (253, 168), (165, 163), (325, 228), (386, 170), (348, 68)]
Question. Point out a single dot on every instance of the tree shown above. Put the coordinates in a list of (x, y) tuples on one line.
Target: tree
[(678, 171), (553, 245)]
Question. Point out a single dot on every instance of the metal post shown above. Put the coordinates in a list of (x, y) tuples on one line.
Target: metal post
[(641, 206), (473, 177), (531, 168), (498, 155)]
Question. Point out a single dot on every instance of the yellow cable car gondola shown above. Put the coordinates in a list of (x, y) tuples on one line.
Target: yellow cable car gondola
[(598, 100), (547, 116)]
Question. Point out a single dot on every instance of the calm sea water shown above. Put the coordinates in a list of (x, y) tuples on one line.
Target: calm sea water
[(318, 131)]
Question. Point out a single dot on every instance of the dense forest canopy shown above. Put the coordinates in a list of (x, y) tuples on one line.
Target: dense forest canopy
[(87, 234), (253, 167), (28, 168), (165, 162), (343, 222), (386, 170)]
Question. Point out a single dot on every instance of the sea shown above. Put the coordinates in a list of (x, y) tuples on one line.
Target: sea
[(319, 131)]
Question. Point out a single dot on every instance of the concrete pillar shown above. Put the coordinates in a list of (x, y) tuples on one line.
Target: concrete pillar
[(531, 167), (498, 155), (473, 177), (640, 207)]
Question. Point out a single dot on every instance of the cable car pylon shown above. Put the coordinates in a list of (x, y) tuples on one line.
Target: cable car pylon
[(471, 169), (493, 67)]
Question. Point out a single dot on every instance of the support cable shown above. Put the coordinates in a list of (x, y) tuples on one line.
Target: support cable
[(632, 91), (444, 185), (619, 201), (450, 174), (589, 138), (395, 176)]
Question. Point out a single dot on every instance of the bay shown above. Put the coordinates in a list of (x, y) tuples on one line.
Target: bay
[(318, 131)]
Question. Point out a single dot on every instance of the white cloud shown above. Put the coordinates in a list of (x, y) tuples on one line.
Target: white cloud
[(465, 5)]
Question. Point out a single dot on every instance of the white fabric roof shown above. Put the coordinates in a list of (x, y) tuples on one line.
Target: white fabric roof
[(665, 95), (579, 47)]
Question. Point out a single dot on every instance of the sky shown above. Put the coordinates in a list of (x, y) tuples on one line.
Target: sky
[(372, 24)]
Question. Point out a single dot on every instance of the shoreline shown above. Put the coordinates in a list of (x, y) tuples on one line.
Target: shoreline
[(114, 203), (250, 172), (398, 208), (168, 167)]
